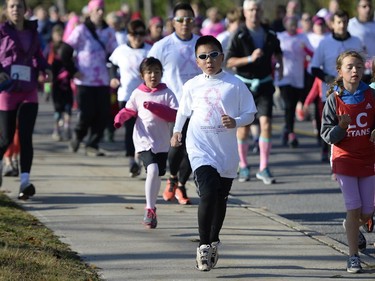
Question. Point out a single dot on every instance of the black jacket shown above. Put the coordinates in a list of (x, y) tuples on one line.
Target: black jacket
[(242, 46)]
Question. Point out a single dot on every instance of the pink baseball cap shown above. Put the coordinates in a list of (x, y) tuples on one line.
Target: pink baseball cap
[(94, 4), (318, 20)]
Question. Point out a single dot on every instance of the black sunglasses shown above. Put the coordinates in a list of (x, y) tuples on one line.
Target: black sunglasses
[(212, 55)]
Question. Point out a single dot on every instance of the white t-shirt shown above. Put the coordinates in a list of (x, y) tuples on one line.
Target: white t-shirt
[(151, 131), (327, 52), (205, 98), (178, 60), (365, 32), (128, 61), (293, 59), (224, 38), (314, 39)]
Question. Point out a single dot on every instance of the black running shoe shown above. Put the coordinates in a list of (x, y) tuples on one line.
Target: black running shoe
[(26, 192)]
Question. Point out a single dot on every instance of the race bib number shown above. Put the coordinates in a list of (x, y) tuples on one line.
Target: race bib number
[(22, 72)]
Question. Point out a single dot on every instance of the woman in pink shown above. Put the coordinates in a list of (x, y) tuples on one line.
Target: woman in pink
[(21, 61)]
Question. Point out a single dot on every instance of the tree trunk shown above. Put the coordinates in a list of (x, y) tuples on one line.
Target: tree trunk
[(61, 5), (147, 8)]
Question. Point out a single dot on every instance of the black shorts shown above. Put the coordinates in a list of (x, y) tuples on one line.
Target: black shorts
[(208, 180), (263, 99), (148, 157)]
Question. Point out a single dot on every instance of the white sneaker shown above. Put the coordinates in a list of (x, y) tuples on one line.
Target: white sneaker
[(203, 259), (215, 253)]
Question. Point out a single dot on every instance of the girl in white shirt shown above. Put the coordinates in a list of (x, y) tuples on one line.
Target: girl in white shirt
[(154, 106)]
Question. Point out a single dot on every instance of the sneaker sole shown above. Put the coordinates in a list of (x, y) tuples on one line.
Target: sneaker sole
[(183, 202), (168, 199), (243, 180), (205, 270), (354, 270), (266, 181)]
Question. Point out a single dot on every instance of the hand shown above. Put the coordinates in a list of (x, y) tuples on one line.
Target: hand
[(228, 122), (78, 75), (48, 77), (3, 77), (146, 104), (372, 136), (115, 83), (329, 79), (257, 53), (305, 110), (176, 139), (344, 121)]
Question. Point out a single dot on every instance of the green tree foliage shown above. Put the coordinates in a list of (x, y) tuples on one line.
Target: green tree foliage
[(163, 7)]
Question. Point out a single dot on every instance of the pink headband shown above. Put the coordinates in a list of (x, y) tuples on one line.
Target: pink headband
[(155, 21), (93, 4)]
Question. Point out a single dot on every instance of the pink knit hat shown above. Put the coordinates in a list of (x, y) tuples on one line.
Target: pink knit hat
[(93, 4)]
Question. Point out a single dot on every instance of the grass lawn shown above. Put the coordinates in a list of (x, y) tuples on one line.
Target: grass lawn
[(30, 251)]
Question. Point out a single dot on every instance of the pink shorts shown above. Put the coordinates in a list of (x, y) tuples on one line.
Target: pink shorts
[(10, 101), (358, 192)]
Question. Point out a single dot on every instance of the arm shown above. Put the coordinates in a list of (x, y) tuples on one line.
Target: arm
[(319, 73), (247, 106), (177, 135), (241, 61), (279, 63), (331, 131), (161, 110), (313, 93), (183, 113), (122, 116)]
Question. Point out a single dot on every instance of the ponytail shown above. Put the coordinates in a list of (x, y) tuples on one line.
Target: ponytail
[(339, 83)]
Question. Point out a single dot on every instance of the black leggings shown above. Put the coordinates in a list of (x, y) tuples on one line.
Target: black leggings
[(94, 104), (213, 191), (178, 159), (290, 96), (25, 116)]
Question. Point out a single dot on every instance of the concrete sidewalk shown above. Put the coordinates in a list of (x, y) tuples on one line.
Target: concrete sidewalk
[(95, 207)]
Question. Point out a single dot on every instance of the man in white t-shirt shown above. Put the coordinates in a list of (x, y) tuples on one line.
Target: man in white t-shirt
[(363, 27), (323, 63), (176, 53)]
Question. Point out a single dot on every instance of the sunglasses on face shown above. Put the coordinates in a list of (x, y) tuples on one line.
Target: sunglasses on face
[(138, 33), (184, 19), (212, 55)]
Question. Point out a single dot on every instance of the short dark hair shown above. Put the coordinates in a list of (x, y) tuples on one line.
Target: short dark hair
[(148, 62), (134, 24), (183, 6), (340, 14), (208, 40)]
